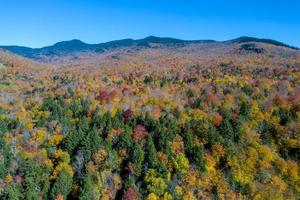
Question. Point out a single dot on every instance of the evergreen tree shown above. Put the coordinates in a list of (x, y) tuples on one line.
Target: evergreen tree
[(130, 182), (228, 134), (86, 192), (12, 192), (85, 105), (213, 136), (32, 173), (108, 124), (74, 107), (118, 120), (96, 118), (150, 124), (75, 137), (267, 132), (36, 180), (62, 185), (138, 158), (245, 109), (198, 157), (6, 154), (125, 140), (226, 130), (151, 154), (91, 143), (188, 140), (284, 115)]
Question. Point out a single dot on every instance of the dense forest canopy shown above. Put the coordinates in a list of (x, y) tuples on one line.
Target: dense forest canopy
[(227, 127)]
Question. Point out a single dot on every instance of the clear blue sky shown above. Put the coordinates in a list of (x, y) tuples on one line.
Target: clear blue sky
[(37, 23)]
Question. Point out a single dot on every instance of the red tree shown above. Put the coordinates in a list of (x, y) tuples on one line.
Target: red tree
[(139, 133), (129, 194)]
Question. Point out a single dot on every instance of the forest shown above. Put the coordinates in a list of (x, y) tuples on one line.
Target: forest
[(227, 128)]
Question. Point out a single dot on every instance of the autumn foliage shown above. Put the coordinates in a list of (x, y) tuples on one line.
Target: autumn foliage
[(225, 128)]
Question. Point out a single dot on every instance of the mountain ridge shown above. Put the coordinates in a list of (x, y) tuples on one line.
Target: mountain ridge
[(76, 45)]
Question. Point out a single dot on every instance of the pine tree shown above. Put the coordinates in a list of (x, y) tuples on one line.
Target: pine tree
[(138, 156), (198, 157), (129, 182), (213, 136), (151, 155), (62, 185), (85, 105), (91, 143), (107, 125), (86, 192), (228, 134), (12, 192), (32, 173), (75, 137), (226, 130), (188, 140), (125, 140), (245, 109), (6, 157), (118, 120)]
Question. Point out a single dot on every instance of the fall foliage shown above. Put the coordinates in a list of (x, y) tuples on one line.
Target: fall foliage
[(221, 128)]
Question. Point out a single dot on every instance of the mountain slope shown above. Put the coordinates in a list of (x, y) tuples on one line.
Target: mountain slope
[(10, 59)]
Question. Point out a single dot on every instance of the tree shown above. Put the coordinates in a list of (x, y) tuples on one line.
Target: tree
[(75, 137), (6, 156), (85, 105), (118, 120), (226, 130), (32, 173), (284, 115), (245, 109), (62, 185), (198, 157), (86, 191), (155, 184), (267, 132), (128, 114), (152, 196), (12, 192), (129, 194), (138, 158), (139, 133), (213, 136), (107, 126), (91, 143), (125, 140), (59, 197), (151, 154), (188, 140), (181, 163)]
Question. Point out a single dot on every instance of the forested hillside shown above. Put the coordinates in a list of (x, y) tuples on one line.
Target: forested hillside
[(179, 127)]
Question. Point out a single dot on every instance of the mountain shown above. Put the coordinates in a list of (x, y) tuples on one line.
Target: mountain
[(74, 46), (245, 39), (64, 47), (67, 47)]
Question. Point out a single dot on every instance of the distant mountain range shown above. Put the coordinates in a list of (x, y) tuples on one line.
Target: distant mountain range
[(73, 46)]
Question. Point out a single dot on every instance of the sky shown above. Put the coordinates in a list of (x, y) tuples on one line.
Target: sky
[(38, 23)]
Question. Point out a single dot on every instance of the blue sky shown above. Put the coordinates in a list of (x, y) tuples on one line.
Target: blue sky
[(38, 23)]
